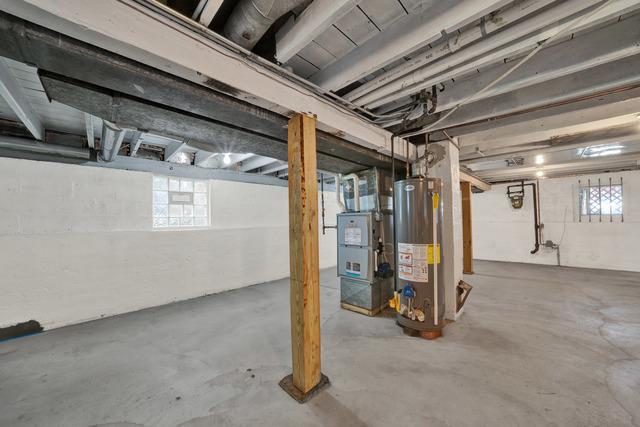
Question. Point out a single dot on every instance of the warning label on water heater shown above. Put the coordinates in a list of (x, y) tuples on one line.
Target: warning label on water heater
[(413, 262)]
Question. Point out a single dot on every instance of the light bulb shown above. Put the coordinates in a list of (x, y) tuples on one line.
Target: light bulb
[(226, 159), (539, 173), (539, 159)]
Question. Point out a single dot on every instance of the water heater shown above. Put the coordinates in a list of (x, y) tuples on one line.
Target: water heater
[(419, 295)]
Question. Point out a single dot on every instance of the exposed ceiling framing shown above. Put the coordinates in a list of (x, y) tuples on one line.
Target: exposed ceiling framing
[(369, 69)]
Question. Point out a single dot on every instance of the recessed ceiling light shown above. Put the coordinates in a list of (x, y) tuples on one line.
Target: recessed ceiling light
[(539, 173), (539, 159)]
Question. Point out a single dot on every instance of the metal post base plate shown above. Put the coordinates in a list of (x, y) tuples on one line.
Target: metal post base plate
[(287, 385)]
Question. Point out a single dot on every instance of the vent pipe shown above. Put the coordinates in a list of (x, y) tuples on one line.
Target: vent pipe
[(251, 19)]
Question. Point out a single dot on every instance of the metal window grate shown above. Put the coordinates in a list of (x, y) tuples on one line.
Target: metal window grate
[(600, 200)]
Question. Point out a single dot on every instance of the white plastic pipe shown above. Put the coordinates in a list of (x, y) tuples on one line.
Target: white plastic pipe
[(406, 35), (315, 19), (415, 81), (453, 67), (453, 44)]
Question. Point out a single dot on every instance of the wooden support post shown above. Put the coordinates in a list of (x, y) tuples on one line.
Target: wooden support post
[(303, 259), (467, 241)]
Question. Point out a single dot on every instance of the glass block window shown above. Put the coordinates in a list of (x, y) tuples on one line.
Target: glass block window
[(598, 199), (180, 202)]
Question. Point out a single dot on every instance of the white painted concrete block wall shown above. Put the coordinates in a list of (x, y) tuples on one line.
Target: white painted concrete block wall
[(76, 243), (502, 233)]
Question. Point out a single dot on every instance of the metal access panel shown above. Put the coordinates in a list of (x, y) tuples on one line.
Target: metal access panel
[(356, 229), (368, 295), (355, 262)]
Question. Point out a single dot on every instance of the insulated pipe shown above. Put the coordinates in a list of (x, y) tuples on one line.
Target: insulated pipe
[(424, 77), (455, 42), (251, 19), (356, 190), (315, 19)]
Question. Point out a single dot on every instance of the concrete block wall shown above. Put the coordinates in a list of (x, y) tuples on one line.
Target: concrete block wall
[(77, 243), (502, 233)]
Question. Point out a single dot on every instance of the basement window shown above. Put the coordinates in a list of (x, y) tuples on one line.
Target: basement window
[(180, 202), (600, 199)]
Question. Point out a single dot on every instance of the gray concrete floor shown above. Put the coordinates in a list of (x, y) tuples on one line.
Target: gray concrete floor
[(536, 346)]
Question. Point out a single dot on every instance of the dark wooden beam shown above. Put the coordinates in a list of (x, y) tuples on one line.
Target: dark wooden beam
[(164, 96)]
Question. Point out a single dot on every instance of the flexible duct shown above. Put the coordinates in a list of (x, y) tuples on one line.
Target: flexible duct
[(251, 19)]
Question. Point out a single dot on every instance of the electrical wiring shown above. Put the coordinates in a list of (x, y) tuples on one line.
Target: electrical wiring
[(470, 98)]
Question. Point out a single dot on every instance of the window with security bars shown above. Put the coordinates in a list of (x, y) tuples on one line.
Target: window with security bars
[(180, 202), (601, 200)]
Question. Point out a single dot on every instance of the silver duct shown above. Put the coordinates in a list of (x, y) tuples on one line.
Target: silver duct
[(111, 141), (37, 147), (250, 19)]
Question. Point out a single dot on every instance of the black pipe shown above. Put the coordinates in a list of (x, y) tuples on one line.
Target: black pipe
[(536, 217), (324, 227)]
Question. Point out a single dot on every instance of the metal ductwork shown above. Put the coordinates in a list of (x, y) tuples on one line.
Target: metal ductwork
[(36, 147), (111, 141), (251, 19)]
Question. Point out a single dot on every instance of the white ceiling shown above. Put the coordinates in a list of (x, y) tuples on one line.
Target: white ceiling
[(54, 116), (576, 92), (599, 54)]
